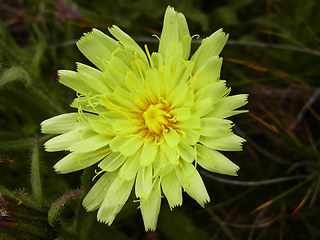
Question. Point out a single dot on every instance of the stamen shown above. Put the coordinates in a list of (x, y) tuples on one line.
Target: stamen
[(174, 69), (197, 36), (149, 56), (164, 101), (81, 115), (193, 80), (97, 174), (195, 155), (116, 108), (154, 35), (180, 164), (136, 59), (105, 150), (173, 120), (164, 129), (182, 132)]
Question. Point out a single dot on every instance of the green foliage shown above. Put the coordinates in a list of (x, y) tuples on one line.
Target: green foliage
[(273, 53), (22, 218), (176, 227), (57, 207), (13, 74), (35, 173)]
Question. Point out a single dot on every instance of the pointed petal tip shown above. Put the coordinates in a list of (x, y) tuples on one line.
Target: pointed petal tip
[(57, 168), (175, 205), (170, 8), (82, 38), (222, 32), (234, 172), (206, 203), (42, 126), (112, 27), (150, 229), (47, 148), (86, 206), (105, 220)]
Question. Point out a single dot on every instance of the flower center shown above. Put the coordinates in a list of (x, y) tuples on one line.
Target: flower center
[(157, 118)]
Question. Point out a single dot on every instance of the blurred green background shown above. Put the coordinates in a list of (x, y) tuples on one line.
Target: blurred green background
[(273, 53)]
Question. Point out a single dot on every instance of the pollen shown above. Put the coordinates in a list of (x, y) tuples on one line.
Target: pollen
[(158, 119)]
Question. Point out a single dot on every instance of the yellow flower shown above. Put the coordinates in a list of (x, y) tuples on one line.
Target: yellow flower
[(148, 119)]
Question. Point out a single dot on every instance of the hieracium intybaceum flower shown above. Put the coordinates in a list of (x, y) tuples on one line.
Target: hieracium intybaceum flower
[(148, 119)]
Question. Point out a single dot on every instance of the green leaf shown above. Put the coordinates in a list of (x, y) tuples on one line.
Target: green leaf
[(20, 144), (39, 51), (21, 197), (58, 206), (6, 236), (7, 192), (175, 225), (35, 173), (14, 74)]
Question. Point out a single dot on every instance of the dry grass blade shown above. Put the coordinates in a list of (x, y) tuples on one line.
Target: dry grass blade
[(254, 183), (263, 122)]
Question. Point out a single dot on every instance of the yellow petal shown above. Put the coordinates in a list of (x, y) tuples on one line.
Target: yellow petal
[(150, 207), (92, 77), (215, 127), (60, 124), (130, 168), (172, 137), (112, 162), (126, 125), (97, 193), (177, 96), (209, 47), (181, 114), (230, 142), (72, 80), (127, 145), (214, 161), (172, 189), (128, 42), (97, 47), (175, 31), (148, 153), (186, 151), (143, 184), (226, 106), (90, 143), (116, 196), (74, 161), (192, 183)]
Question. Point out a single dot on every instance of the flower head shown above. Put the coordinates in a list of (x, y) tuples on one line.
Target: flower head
[(148, 119)]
